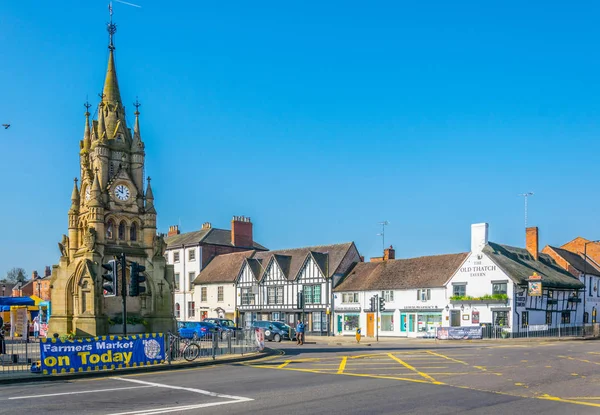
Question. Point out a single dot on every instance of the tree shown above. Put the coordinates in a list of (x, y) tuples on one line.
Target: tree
[(16, 274)]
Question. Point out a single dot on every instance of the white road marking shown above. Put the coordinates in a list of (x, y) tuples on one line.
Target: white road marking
[(78, 392), (201, 391), (181, 408)]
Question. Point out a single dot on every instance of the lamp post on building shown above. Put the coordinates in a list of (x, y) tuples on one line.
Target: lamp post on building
[(585, 273)]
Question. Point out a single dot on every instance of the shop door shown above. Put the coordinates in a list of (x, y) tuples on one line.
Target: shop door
[(370, 324), (411, 323), (403, 323), (455, 318), (339, 324)]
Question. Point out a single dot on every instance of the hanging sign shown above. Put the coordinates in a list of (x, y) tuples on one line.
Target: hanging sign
[(535, 289), (475, 317)]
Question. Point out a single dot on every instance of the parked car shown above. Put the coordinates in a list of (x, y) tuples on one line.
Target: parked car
[(276, 330), (225, 326), (196, 329)]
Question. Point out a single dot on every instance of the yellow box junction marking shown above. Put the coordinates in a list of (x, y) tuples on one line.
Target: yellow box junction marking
[(406, 365), (342, 365)]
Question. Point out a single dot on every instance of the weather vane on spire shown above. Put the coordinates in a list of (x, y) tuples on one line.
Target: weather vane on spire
[(137, 106), (111, 27)]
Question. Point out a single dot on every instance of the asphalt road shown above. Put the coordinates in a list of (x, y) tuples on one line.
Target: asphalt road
[(423, 378)]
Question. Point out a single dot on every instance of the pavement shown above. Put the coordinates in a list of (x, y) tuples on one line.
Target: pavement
[(550, 377)]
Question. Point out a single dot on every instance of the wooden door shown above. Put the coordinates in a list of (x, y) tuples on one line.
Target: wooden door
[(370, 324)]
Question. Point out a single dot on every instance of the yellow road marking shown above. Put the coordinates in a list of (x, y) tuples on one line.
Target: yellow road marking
[(446, 357), (342, 365), (580, 360), (284, 364), (406, 365), (557, 399)]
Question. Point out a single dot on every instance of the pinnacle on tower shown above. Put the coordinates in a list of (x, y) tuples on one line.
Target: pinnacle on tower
[(87, 139), (96, 193), (149, 198), (74, 198), (137, 138)]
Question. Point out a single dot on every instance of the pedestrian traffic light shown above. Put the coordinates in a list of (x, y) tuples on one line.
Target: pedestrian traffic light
[(300, 302), (135, 279), (381, 304), (372, 306), (110, 279)]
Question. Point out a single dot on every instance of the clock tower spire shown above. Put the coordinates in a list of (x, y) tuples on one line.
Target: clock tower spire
[(111, 213)]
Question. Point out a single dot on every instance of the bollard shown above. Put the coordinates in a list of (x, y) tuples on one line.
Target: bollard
[(358, 335)]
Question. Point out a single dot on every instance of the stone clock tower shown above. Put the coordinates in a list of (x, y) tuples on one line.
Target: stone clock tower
[(111, 214)]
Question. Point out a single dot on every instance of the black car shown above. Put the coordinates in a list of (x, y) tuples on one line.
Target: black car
[(275, 330)]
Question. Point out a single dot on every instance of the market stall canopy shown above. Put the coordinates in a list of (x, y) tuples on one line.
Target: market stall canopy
[(16, 301)]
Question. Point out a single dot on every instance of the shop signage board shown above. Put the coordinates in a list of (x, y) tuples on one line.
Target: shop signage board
[(459, 333), (535, 289), (101, 353), (475, 317)]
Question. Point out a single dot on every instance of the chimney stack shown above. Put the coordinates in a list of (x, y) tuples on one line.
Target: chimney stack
[(479, 236), (173, 230), (389, 253), (206, 225), (34, 275), (47, 271), (241, 232), (531, 242)]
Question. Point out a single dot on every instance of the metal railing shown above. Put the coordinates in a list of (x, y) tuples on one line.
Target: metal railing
[(210, 345), (18, 356), (532, 331)]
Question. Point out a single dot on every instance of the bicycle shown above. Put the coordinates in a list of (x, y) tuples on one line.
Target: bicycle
[(190, 350)]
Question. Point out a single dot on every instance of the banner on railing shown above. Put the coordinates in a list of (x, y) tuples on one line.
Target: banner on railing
[(101, 353), (459, 333)]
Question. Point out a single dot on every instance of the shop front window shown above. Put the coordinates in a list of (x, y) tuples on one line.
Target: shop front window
[(387, 322), (351, 322)]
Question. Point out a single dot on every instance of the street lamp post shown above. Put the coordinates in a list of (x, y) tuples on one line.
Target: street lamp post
[(3, 289), (585, 273)]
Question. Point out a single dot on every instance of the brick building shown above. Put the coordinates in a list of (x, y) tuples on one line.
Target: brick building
[(190, 252)]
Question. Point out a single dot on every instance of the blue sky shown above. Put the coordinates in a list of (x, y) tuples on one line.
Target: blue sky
[(317, 121)]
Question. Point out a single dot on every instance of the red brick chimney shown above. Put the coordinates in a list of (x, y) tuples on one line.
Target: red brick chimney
[(47, 271), (241, 232), (173, 230), (389, 253), (531, 242)]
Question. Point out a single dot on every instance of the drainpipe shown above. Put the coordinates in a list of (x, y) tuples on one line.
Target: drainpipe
[(185, 310)]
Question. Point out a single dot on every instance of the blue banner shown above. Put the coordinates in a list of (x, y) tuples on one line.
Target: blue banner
[(101, 353), (459, 333)]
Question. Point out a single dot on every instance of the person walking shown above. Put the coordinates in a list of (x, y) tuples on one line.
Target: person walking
[(36, 327), (2, 343), (300, 333)]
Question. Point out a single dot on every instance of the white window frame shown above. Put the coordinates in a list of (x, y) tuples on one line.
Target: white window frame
[(388, 296), (220, 294), (191, 278), (203, 294), (192, 254), (424, 294), (176, 257)]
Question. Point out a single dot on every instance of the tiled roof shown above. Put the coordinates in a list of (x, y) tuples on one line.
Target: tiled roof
[(297, 256), (577, 261), (212, 236), (223, 268), (519, 265), (402, 274)]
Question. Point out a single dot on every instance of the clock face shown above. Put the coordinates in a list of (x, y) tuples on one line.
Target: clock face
[(88, 193), (122, 192)]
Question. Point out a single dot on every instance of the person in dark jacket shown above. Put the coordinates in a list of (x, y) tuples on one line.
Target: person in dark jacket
[(2, 344), (300, 333)]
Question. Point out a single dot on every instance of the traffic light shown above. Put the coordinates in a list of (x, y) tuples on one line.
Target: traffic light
[(135, 279), (110, 279), (373, 304), (381, 304), (300, 302)]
